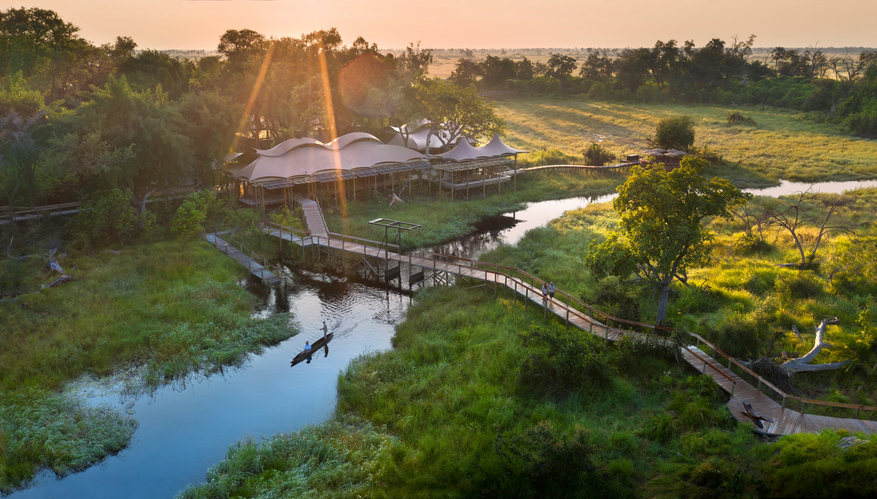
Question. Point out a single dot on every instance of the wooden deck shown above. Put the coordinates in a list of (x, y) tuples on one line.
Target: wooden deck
[(255, 268), (785, 420)]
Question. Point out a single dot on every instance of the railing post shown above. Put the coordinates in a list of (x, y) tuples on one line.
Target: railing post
[(732, 389), (567, 311)]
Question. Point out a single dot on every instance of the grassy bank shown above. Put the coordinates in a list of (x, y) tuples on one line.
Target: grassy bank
[(443, 220), (479, 398), (171, 308), (744, 301), (781, 144)]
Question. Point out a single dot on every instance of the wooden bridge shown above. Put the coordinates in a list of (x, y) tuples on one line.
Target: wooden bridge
[(255, 268), (781, 417)]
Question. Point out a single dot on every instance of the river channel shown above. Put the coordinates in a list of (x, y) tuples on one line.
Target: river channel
[(187, 428)]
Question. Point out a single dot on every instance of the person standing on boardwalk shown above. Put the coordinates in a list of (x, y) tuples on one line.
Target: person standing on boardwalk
[(325, 330), (544, 292), (551, 290)]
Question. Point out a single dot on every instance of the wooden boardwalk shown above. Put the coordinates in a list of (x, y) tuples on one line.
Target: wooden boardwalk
[(255, 268), (784, 420), (620, 167), (313, 216)]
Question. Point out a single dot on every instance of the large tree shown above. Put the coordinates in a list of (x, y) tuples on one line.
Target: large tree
[(459, 112), (662, 225), (147, 126)]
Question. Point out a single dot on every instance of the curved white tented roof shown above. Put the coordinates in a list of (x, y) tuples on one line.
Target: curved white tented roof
[(286, 146), (304, 157), (465, 152), (417, 139), (496, 147), (345, 140)]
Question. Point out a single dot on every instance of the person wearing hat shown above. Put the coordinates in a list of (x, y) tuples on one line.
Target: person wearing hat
[(551, 290)]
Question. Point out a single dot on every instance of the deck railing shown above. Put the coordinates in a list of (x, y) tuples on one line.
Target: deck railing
[(531, 283)]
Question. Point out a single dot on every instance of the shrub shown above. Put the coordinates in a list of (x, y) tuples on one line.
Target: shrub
[(109, 216), (597, 155), (660, 427), (559, 362), (543, 462), (798, 285), (191, 215), (741, 335), (737, 118), (675, 133)]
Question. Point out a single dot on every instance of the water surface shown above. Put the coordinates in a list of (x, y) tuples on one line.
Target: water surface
[(186, 430)]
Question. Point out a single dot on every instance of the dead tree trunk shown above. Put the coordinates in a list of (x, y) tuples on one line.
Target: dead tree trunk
[(802, 364)]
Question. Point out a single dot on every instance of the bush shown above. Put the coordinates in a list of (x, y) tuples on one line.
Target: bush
[(660, 427), (559, 362), (737, 118), (191, 215), (597, 155), (542, 462), (109, 216), (675, 133), (798, 285)]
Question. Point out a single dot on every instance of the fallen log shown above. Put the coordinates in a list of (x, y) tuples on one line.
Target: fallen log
[(802, 364)]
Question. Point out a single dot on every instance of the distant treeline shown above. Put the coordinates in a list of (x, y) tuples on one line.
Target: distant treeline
[(833, 86)]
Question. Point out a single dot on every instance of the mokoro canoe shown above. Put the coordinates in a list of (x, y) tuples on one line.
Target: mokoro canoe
[(320, 343)]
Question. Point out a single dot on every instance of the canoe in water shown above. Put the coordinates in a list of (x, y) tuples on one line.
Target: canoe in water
[(320, 343)]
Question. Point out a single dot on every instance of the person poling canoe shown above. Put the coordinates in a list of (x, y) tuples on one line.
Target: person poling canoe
[(310, 348)]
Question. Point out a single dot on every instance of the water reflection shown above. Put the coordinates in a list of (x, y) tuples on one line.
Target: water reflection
[(184, 432), (539, 213)]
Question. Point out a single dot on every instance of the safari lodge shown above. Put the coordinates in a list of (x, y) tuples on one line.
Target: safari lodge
[(358, 162)]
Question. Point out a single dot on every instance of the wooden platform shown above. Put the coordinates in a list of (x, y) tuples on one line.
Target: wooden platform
[(255, 268), (785, 420)]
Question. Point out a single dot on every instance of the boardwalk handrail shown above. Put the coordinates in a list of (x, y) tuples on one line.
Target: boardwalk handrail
[(23, 211), (473, 264), (331, 236), (784, 395), (534, 280), (706, 363), (626, 164), (291, 230)]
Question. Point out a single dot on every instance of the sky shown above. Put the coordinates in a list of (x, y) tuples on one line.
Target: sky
[(198, 24)]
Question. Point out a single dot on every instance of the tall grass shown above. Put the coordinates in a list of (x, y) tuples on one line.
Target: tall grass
[(459, 420), (783, 145), (744, 301), (171, 307)]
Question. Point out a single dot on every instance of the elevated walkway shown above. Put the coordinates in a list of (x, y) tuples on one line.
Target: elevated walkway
[(255, 268), (784, 420)]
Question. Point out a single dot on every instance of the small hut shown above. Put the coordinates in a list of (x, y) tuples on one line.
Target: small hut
[(669, 157)]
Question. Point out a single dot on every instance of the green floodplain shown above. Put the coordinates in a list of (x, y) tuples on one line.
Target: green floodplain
[(480, 397)]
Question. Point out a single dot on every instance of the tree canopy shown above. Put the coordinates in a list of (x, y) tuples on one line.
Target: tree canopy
[(662, 225)]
